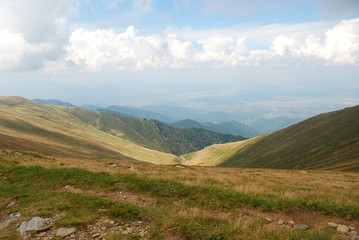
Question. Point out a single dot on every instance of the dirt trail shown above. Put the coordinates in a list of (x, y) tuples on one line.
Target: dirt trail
[(138, 199)]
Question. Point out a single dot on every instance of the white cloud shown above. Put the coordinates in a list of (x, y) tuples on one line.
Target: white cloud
[(130, 50), (127, 50), (32, 32)]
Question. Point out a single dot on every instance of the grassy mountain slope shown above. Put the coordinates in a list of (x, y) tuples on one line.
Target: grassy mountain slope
[(326, 141), (55, 131), (215, 154), (152, 133)]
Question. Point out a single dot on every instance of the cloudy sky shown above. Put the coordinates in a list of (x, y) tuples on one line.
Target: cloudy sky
[(228, 54)]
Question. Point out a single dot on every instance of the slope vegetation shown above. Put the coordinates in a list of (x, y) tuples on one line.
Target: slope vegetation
[(152, 133), (55, 131), (326, 141)]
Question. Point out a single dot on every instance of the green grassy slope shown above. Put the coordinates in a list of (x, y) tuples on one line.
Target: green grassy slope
[(151, 133), (326, 141), (55, 131)]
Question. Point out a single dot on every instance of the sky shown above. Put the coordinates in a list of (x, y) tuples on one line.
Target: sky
[(282, 57)]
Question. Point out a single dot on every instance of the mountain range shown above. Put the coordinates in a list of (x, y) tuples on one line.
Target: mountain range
[(221, 122)]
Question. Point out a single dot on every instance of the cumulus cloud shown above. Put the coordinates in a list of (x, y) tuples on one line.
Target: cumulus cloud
[(31, 32), (102, 48), (127, 50)]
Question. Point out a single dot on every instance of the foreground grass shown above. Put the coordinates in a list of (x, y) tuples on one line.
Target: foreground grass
[(35, 190)]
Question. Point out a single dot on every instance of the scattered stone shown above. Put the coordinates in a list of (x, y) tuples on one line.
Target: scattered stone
[(9, 219), (291, 222), (124, 197), (103, 228), (11, 205), (301, 226), (112, 222), (33, 224), (333, 225), (269, 220), (342, 229), (280, 222), (353, 234), (64, 232)]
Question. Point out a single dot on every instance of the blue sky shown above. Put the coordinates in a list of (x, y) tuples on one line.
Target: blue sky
[(228, 55)]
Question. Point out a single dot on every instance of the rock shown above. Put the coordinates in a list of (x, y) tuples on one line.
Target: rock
[(113, 165), (291, 222), (112, 222), (103, 228), (332, 224), (33, 224), (11, 205), (64, 232), (280, 222), (342, 229), (131, 168), (303, 172), (9, 219), (353, 234), (269, 220), (351, 228), (301, 226)]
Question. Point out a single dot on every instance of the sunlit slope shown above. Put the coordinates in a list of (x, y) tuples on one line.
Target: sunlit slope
[(56, 131), (215, 154), (326, 141)]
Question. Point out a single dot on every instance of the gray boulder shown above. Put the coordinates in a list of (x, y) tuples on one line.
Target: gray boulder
[(64, 232), (33, 224)]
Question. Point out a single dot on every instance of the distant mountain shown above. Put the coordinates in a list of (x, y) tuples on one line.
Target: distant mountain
[(90, 107), (326, 141), (55, 102), (179, 113), (267, 125), (137, 113), (187, 123), (231, 127)]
